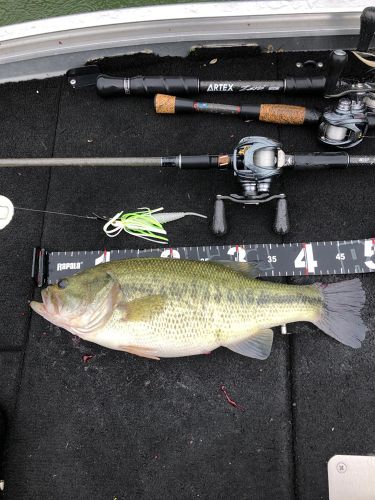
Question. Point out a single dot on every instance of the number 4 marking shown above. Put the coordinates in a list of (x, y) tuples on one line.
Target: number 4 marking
[(305, 259)]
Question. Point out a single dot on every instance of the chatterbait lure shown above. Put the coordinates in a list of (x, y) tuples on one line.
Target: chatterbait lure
[(145, 223)]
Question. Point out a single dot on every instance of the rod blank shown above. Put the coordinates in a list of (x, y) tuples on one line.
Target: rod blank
[(185, 162), (82, 162)]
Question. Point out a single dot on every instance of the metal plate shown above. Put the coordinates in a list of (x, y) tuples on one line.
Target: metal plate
[(351, 477)]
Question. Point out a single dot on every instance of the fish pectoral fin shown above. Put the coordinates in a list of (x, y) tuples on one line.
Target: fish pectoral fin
[(145, 352), (257, 346), (249, 269), (143, 309)]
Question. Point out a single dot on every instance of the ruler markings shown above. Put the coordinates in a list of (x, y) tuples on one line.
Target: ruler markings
[(278, 259)]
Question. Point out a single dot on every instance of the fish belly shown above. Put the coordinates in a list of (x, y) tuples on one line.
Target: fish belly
[(181, 330)]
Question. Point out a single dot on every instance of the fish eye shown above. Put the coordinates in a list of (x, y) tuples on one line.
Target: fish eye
[(62, 283)]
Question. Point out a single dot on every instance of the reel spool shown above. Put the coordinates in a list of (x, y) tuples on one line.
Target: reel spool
[(345, 125), (256, 160)]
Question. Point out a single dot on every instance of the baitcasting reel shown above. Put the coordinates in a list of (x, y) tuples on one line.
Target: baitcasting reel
[(347, 123), (255, 161)]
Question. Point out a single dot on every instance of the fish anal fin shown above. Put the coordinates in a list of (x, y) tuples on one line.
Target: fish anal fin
[(257, 346), (142, 309), (144, 352)]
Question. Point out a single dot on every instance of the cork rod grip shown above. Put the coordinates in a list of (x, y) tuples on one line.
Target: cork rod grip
[(282, 114), (165, 104)]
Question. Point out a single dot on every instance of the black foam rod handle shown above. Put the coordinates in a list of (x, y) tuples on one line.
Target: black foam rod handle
[(281, 225), (336, 64), (219, 220), (367, 29), (146, 85)]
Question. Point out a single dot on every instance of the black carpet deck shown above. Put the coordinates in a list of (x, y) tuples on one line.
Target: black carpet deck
[(128, 428)]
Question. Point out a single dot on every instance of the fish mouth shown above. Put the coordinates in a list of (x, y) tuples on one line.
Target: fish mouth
[(49, 307), (38, 307)]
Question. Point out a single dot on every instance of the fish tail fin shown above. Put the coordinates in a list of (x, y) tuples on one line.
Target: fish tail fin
[(341, 316)]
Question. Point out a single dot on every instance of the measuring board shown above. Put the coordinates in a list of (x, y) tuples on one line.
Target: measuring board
[(281, 259)]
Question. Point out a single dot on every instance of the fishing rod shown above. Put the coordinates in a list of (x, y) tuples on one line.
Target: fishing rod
[(343, 126), (107, 85), (186, 85), (255, 161)]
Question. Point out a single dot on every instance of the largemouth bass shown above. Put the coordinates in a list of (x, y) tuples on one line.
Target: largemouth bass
[(167, 308)]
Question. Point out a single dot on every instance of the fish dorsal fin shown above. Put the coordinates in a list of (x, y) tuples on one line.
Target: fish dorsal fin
[(257, 346), (249, 269), (144, 308)]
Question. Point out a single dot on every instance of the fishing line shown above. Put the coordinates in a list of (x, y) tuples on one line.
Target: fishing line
[(144, 223), (94, 217), (7, 212), (365, 57)]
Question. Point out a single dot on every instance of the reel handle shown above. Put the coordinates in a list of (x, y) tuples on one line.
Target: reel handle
[(219, 220), (281, 224), (367, 29), (336, 64)]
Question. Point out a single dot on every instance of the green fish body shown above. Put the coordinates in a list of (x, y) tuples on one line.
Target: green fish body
[(168, 308)]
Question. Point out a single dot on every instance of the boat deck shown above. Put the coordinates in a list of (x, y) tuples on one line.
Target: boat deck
[(122, 427)]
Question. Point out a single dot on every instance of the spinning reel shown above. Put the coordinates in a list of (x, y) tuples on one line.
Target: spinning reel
[(255, 161)]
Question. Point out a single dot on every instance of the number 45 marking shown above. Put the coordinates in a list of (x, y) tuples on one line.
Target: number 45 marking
[(305, 259)]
